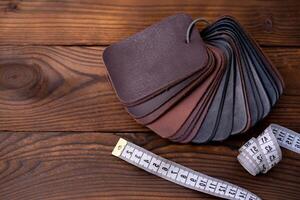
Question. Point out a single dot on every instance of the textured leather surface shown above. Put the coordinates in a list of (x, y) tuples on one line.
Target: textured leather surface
[(179, 113), (218, 85), (154, 59), (188, 130)]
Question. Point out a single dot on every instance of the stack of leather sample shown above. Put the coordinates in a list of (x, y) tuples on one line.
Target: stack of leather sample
[(190, 86)]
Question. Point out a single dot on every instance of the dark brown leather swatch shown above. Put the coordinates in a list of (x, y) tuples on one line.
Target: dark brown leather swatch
[(154, 59)]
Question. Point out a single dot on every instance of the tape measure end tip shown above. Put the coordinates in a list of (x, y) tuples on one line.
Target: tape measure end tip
[(119, 147)]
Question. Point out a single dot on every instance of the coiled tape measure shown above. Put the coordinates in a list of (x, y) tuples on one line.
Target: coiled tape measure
[(257, 155), (261, 154)]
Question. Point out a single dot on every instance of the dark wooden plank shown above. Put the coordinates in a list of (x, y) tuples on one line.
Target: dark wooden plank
[(80, 166), (58, 88), (103, 22), (65, 89)]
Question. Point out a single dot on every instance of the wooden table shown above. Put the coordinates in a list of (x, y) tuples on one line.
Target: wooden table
[(59, 117)]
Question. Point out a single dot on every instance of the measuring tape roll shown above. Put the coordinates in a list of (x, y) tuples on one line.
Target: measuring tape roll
[(260, 154), (179, 174)]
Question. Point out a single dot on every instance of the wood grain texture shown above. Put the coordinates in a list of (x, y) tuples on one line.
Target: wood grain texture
[(65, 89), (60, 118), (57, 88), (103, 22), (56, 166)]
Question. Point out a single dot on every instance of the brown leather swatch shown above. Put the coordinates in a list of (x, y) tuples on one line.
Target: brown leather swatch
[(154, 59)]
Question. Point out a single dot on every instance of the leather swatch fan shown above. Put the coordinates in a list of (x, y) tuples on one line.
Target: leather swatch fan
[(193, 87)]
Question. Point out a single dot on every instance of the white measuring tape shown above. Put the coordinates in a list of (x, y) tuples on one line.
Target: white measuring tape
[(257, 155), (179, 174), (261, 154)]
